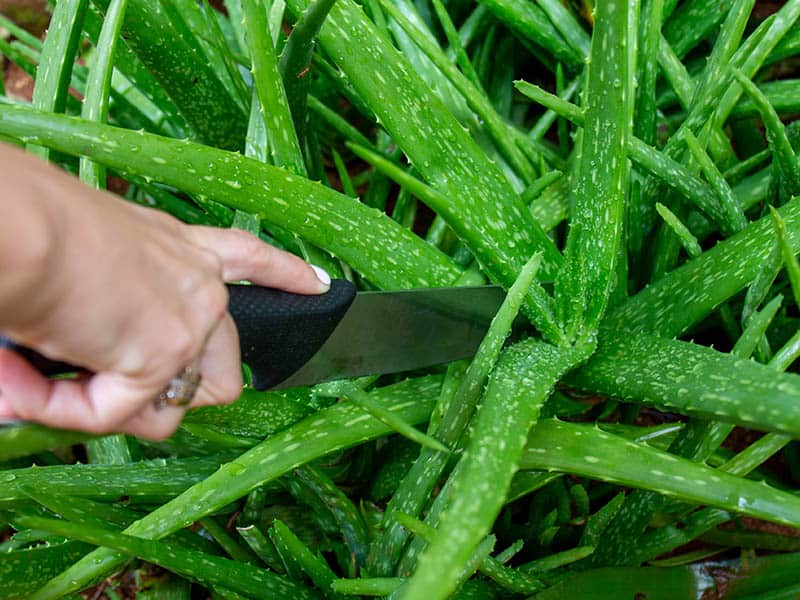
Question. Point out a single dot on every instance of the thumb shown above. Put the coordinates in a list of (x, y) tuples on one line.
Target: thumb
[(18, 382)]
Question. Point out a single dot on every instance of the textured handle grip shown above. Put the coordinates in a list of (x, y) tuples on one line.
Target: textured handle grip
[(278, 331)]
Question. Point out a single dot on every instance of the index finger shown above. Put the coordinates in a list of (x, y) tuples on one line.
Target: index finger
[(245, 257)]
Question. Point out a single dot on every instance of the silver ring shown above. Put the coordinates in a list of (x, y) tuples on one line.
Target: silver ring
[(181, 389)]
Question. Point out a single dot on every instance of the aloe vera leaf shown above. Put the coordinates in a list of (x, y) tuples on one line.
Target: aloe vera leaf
[(172, 588), (567, 25), (675, 73), (552, 206), (747, 393), (216, 45), (437, 146), (291, 565), (295, 59), (98, 84), (644, 127), (740, 170), (509, 579), (22, 571), (191, 24), (784, 157), (339, 124), (349, 520), (544, 123), (520, 383), (756, 327), (502, 133), (734, 219), (751, 539), (20, 33), (314, 566), (135, 72), (658, 583), (413, 492), (589, 452), (781, 94), (314, 212), (756, 453), (362, 399), (596, 523), (368, 586), (534, 190), (688, 240), (556, 560), (331, 429), (684, 86), (527, 482), (24, 57), (692, 22), (109, 450), (600, 187), (58, 55), (790, 351), (783, 20), (256, 414), (231, 547), (702, 284), (84, 510), (555, 103), (193, 565), (681, 179), (185, 75), (144, 481), (262, 546), (456, 45), (789, 258), (531, 22), (344, 177), (726, 51), (283, 143), (23, 439)]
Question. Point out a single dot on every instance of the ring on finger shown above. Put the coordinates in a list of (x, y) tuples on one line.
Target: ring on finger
[(181, 389)]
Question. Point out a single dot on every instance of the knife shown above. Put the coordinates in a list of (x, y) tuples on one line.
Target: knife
[(291, 340)]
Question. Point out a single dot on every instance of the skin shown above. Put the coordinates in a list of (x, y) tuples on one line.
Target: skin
[(129, 293)]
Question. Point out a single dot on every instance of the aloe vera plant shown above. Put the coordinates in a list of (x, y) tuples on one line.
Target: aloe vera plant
[(605, 165)]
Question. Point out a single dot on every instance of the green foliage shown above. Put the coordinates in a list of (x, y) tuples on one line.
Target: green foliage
[(603, 162)]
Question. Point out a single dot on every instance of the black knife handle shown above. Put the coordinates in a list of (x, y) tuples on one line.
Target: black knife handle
[(278, 331)]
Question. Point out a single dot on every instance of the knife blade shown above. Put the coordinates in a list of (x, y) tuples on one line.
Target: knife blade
[(290, 340)]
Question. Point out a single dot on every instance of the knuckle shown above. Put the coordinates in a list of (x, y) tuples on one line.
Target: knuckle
[(216, 301), (160, 430), (192, 281), (103, 423), (184, 344), (229, 389)]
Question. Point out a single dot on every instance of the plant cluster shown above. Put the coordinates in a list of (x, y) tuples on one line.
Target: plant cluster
[(627, 171)]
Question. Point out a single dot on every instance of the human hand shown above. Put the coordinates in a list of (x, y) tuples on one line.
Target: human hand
[(127, 292)]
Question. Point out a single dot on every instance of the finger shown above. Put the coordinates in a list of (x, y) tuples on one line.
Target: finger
[(244, 256), (6, 409), (220, 367), (99, 404), (20, 384), (152, 423)]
